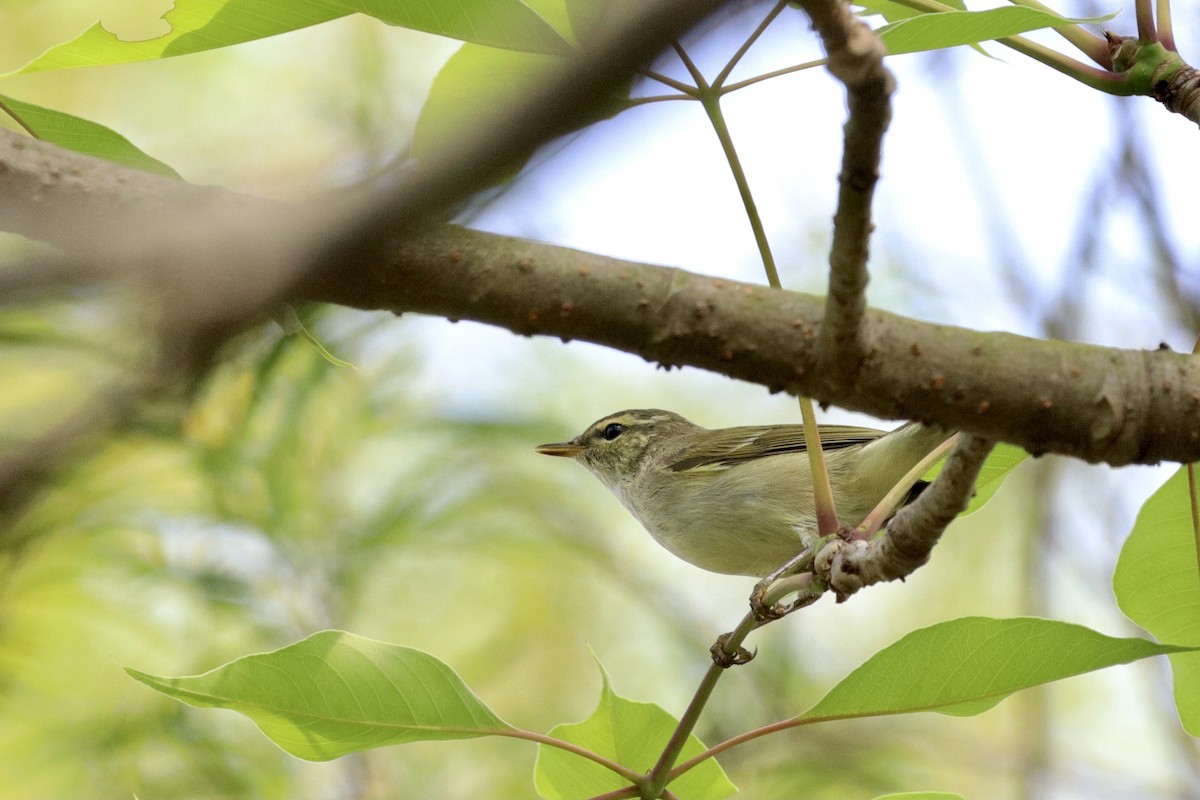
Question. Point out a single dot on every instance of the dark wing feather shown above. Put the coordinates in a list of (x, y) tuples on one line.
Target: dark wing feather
[(724, 448)]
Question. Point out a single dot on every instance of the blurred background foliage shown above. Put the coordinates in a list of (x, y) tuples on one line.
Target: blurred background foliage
[(277, 494)]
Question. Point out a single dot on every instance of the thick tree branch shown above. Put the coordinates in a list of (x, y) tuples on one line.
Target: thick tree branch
[(1095, 403), (856, 59), (1099, 404)]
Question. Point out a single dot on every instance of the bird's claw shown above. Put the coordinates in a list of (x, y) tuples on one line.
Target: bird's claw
[(724, 659)]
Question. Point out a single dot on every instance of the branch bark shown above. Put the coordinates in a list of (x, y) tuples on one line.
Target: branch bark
[(1096, 403), (1091, 402), (856, 59)]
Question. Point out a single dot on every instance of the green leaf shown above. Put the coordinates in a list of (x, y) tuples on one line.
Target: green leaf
[(921, 796), (336, 693), (470, 87), (953, 28), (1157, 585), (82, 136), (473, 84), (966, 666), (198, 25), (1001, 461), (508, 24), (892, 11), (631, 734)]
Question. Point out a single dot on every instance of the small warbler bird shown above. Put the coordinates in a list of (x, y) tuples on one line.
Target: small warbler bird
[(739, 500)]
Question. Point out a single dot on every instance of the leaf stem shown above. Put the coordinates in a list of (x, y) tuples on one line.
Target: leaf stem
[(18, 119), (827, 518), (1086, 42), (698, 76), (658, 98), (733, 87), (1099, 79), (690, 91), (1166, 34), (734, 741), (1145, 21), (746, 45), (711, 102), (541, 738), (1084, 73)]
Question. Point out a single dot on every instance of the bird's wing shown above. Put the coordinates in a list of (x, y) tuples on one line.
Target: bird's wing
[(725, 448)]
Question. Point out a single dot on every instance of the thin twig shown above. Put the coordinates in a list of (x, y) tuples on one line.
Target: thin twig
[(671, 82), (766, 76), (746, 45)]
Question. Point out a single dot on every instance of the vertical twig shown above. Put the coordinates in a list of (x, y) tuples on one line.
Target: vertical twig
[(856, 59)]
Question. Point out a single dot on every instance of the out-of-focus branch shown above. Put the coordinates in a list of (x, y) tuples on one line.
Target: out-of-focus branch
[(490, 150), (214, 261), (239, 254), (847, 566), (856, 59)]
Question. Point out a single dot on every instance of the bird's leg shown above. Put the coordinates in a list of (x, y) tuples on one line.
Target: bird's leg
[(722, 658), (764, 603)]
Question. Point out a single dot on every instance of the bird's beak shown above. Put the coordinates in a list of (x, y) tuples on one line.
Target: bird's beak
[(565, 449)]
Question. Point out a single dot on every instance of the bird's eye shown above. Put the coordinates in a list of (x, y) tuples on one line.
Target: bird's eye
[(612, 430)]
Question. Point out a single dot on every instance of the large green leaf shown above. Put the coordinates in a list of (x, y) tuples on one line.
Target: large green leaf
[(953, 28), (1157, 585), (892, 11), (336, 693), (631, 734), (198, 25), (966, 666), (473, 84), (82, 136)]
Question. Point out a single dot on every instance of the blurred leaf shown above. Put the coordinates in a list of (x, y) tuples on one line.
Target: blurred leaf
[(1001, 461), (509, 24), (953, 28), (1157, 585), (589, 16), (292, 325), (198, 25), (477, 81), (921, 796), (82, 136), (631, 734), (965, 666), (336, 693)]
